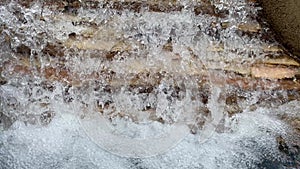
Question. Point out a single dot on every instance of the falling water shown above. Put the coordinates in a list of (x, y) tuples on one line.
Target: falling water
[(100, 86)]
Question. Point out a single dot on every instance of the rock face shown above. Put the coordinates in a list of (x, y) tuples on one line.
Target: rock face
[(144, 62), (284, 19), (71, 39)]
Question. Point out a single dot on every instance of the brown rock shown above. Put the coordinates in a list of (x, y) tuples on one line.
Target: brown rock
[(168, 46), (22, 69), (50, 72), (54, 50), (26, 3), (273, 72), (23, 50)]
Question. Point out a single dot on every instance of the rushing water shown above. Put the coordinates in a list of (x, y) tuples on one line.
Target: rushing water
[(144, 91)]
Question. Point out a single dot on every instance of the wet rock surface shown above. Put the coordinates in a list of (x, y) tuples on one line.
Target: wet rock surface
[(141, 63), (284, 18)]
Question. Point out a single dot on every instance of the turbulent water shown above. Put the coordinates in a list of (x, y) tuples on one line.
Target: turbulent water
[(144, 91)]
